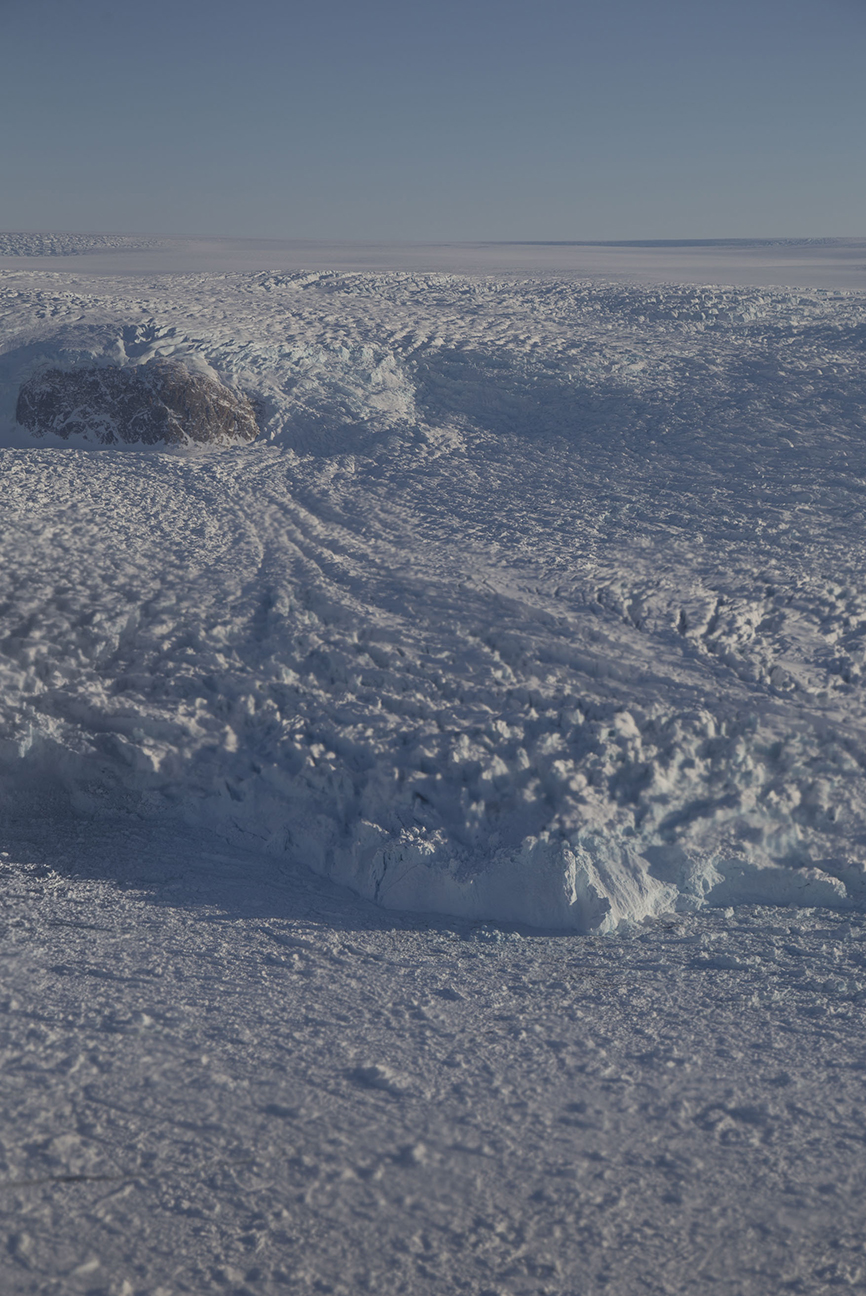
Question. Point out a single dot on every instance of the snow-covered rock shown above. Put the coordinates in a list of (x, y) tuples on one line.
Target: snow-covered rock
[(160, 402)]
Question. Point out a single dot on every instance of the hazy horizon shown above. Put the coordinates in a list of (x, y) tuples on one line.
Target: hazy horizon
[(474, 122), (719, 240)]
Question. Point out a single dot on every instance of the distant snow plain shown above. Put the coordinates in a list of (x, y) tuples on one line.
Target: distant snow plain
[(536, 617)]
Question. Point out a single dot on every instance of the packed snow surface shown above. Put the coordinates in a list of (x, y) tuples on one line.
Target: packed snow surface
[(536, 600), (225, 1077)]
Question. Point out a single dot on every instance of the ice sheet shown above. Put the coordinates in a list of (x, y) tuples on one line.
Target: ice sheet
[(804, 263), (539, 599)]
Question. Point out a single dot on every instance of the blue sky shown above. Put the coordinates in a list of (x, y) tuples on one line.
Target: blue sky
[(484, 119)]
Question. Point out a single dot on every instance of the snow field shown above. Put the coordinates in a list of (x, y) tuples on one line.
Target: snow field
[(834, 263), (539, 601), (224, 1075)]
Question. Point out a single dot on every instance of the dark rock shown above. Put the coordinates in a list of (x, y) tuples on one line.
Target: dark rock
[(161, 402)]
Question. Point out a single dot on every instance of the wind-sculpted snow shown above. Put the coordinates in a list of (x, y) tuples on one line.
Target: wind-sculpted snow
[(541, 601)]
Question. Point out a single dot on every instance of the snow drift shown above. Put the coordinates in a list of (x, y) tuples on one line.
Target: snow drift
[(538, 601)]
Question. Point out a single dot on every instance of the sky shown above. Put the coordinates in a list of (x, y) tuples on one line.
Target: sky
[(459, 120)]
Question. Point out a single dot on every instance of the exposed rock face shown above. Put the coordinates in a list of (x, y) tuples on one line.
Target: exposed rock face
[(161, 402)]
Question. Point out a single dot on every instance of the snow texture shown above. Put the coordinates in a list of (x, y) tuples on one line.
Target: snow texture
[(224, 1077), (541, 601)]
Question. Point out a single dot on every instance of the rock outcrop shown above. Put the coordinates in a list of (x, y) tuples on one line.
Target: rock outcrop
[(161, 402)]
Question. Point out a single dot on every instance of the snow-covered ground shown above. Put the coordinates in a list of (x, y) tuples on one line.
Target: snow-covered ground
[(540, 602), (225, 1076)]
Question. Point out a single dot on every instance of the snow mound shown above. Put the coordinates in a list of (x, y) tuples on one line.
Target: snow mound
[(537, 602)]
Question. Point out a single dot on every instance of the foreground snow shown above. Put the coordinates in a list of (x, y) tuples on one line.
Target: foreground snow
[(219, 1077)]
